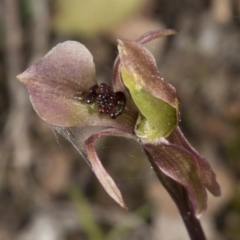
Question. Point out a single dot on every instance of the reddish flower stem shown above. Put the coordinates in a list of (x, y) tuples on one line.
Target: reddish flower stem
[(180, 197), (192, 223)]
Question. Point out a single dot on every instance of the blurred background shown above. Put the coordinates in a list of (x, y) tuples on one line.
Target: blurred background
[(47, 191)]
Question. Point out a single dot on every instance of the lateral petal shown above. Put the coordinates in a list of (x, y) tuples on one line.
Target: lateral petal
[(181, 166)]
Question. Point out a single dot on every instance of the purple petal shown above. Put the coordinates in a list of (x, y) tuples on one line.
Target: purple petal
[(142, 69), (54, 81), (207, 175), (151, 35), (146, 37), (182, 201), (97, 167), (181, 166)]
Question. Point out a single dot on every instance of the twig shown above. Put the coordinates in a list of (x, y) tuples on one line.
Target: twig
[(16, 133), (41, 19)]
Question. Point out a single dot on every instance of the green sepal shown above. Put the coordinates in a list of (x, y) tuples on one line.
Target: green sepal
[(157, 119)]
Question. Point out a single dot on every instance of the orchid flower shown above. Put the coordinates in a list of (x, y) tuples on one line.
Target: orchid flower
[(139, 105)]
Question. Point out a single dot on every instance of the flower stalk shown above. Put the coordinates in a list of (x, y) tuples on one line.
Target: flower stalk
[(181, 199)]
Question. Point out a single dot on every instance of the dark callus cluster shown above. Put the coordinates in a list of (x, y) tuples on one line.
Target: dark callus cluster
[(108, 102)]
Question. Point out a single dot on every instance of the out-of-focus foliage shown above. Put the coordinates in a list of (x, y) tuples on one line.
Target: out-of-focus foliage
[(90, 227), (229, 218), (88, 17), (89, 223)]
